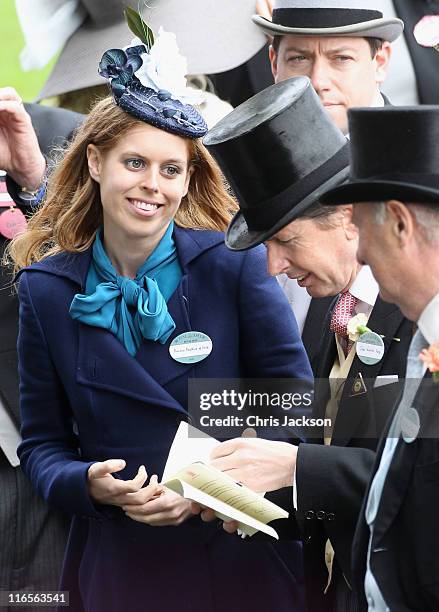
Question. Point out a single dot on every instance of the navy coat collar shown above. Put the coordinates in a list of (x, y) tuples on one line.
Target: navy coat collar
[(74, 266), (145, 376)]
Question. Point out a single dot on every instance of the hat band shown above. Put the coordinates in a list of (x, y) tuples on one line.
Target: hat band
[(416, 178), (322, 18), (264, 215)]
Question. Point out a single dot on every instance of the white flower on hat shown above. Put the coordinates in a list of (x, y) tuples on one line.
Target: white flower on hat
[(164, 68), (355, 325)]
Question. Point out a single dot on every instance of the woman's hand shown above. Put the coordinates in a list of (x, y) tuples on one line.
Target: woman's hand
[(207, 515), (168, 509), (104, 488)]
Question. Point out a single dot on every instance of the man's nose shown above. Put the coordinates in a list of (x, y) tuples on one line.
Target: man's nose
[(320, 75), (277, 262)]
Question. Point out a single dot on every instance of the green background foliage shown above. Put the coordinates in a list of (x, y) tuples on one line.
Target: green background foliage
[(28, 84)]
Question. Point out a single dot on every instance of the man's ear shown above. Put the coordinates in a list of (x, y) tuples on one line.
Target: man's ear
[(272, 55), (402, 221), (382, 59), (94, 159), (350, 229)]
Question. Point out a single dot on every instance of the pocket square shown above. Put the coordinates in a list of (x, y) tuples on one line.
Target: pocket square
[(387, 379)]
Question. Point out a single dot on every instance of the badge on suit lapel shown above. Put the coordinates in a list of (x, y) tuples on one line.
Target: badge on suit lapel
[(369, 345), (370, 348), (410, 425), (358, 386)]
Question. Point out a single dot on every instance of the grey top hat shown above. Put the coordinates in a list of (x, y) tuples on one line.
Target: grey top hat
[(213, 35), (329, 18)]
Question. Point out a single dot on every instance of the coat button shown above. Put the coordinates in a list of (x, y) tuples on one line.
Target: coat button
[(370, 601), (321, 514), (330, 516), (309, 515)]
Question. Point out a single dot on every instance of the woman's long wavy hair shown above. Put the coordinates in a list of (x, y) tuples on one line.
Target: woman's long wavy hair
[(72, 211)]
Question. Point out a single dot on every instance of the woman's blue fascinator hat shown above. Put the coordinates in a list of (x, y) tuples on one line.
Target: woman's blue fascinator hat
[(148, 80)]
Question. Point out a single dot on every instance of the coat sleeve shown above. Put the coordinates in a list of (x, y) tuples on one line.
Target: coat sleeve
[(272, 347), (331, 484), (49, 453)]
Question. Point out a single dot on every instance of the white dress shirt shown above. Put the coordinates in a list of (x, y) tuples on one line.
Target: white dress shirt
[(365, 289), (298, 298)]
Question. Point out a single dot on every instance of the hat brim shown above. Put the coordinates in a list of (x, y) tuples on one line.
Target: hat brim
[(384, 29), (377, 191), (213, 36), (240, 238)]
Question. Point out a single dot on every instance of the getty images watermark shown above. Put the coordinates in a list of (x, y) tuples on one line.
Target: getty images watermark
[(275, 408)]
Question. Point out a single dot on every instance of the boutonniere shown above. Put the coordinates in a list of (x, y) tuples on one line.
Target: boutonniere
[(426, 32), (430, 357), (357, 326)]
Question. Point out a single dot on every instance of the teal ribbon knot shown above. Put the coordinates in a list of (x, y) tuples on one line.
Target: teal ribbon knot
[(131, 309)]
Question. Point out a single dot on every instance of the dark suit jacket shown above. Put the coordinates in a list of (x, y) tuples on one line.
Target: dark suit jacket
[(425, 60), (31, 558), (331, 480), (131, 407), (405, 545)]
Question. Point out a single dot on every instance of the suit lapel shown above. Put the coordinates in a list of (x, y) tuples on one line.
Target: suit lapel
[(362, 532), (315, 320), (395, 486), (324, 357), (385, 319), (322, 365), (401, 469)]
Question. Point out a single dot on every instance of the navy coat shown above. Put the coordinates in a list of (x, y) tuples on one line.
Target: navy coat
[(77, 379)]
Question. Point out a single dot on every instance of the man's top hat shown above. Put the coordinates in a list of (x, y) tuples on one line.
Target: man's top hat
[(279, 151), (329, 18), (214, 36), (394, 155)]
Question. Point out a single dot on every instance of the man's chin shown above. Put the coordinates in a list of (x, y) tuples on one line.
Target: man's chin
[(386, 296), (339, 117), (321, 291)]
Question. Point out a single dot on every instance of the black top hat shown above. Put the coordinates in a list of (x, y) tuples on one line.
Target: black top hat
[(329, 18), (394, 155), (279, 151)]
